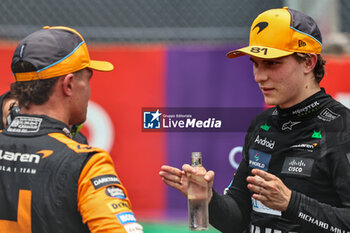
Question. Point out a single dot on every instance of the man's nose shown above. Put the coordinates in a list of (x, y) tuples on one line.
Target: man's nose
[(260, 74)]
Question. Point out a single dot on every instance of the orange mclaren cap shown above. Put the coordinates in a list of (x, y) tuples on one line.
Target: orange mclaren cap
[(281, 32), (54, 51)]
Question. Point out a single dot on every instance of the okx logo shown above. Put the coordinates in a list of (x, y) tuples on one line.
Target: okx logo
[(151, 120)]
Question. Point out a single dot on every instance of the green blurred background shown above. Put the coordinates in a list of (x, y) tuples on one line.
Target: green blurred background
[(172, 227)]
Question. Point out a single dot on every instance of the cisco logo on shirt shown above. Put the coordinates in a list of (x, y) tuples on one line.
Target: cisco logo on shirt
[(297, 166), (258, 159)]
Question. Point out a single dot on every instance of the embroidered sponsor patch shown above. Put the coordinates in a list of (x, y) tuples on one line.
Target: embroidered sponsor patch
[(297, 166), (318, 222), (258, 159), (126, 217), (116, 192), (22, 124), (261, 208), (328, 115), (133, 228), (265, 142), (309, 147), (289, 125), (275, 112), (306, 110), (104, 180), (118, 206)]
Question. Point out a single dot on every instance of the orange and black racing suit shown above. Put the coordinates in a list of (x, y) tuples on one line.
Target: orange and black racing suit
[(308, 147), (51, 183)]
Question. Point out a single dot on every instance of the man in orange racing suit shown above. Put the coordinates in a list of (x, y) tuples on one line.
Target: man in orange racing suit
[(49, 182)]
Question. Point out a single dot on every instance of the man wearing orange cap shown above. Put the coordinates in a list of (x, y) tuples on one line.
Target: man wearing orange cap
[(48, 181), (295, 169)]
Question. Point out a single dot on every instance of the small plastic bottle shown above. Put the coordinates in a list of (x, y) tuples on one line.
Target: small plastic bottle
[(198, 197)]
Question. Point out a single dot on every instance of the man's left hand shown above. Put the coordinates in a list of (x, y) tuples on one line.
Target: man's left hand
[(269, 189)]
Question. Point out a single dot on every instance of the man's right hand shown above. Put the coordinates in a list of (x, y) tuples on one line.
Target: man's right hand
[(175, 178), (178, 179)]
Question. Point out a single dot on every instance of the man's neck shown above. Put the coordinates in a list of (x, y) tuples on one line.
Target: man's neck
[(49, 109), (308, 91)]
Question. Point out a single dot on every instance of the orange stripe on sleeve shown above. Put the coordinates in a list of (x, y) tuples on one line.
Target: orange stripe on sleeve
[(102, 200)]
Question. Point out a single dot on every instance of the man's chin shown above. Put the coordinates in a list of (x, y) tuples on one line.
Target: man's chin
[(78, 121), (270, 101)]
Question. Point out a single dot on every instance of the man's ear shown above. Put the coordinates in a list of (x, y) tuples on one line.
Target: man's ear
[(310, 63), (67, 84)]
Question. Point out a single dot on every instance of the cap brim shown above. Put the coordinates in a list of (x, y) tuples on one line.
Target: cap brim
[(101, 65), (258, 51)]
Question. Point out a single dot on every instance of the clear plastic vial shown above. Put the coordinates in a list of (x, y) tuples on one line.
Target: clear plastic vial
[(198, 193)]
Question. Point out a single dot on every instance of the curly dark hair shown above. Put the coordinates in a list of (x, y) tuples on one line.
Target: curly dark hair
[(31, 92), (319, 70)]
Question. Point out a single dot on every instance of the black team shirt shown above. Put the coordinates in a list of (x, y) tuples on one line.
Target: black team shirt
[(308, 147)]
